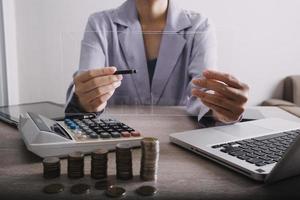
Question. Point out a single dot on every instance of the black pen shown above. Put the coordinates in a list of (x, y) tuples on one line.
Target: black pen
[(122, 72)]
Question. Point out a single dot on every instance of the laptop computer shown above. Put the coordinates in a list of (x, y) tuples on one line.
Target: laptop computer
[(265, 150)]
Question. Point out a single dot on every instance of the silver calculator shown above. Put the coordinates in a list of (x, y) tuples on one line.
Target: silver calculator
[(46, 137)]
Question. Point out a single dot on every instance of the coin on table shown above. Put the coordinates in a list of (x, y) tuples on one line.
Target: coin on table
[(80, 189), (115, 191), (51, 160), (54, 188), (102, 184), (124, 146), (146, 190)]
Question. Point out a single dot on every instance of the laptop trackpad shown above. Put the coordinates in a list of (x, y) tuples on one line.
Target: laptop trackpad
[(243, 130)]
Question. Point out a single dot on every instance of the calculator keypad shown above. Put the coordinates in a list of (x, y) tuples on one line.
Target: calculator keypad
[(100, 129)]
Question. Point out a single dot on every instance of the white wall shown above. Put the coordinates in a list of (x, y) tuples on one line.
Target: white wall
[(258, 42), (11, 53)]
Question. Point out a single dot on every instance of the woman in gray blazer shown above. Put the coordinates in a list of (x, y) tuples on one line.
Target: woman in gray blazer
[(172, 50)]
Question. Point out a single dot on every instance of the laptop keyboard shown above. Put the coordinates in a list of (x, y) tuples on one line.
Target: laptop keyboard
[(260, 151)]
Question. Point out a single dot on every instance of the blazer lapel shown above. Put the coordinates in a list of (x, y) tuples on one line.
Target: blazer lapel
[(132, 45), (171, 47), (170, 50), (133, 48)]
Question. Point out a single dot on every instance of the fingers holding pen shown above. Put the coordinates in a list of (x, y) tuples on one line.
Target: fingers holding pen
[(100, 91), (95, 87)]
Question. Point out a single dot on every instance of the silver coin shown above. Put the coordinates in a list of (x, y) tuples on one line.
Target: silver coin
[(146, 190), (53, 189), (51, 160), (115, 191)]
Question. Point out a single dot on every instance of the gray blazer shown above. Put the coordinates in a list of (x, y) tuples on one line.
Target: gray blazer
[(114, 38)]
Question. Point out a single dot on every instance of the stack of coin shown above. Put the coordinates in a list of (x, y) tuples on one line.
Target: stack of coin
[(51, 167), (76, 165), (99, 164), (124, 161), (150, 157)]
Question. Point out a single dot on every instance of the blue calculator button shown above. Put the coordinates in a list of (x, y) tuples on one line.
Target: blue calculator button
[(73, 126)]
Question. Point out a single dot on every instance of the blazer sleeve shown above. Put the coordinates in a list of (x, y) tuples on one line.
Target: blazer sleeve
[(91, 56), (203, 56)]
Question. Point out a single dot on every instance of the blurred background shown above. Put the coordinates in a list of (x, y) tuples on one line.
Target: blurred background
[(259, 42)]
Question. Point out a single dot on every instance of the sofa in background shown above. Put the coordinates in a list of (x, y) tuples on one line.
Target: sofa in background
[(291, 96)]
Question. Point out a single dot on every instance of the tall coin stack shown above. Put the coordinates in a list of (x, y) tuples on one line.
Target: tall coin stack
[(150, 157), (124, 161), (51, 167), (76, 165), (99, 164)]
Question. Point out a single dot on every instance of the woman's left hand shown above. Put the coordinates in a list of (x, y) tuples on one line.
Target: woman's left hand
[(226, 95)]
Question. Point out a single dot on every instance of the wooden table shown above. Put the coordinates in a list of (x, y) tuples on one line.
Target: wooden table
[(182, 174)]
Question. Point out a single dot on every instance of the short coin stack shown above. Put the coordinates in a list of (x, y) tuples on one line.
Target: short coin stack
[(124, 161), (51, 167), (150, 157), (76, 165), (99, 164)]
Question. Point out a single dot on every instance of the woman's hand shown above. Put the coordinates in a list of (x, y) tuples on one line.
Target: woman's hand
[(226, 95), (95, 87)]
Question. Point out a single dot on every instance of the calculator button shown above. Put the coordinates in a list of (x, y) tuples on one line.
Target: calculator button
[(115, 134), (110, 121), (94, 136), (92, 125), (82, 137), (89, 131), (77, 131), (73, 126), (130, 129), (135, 134), (105, 135), (125, 134), (100, 131)]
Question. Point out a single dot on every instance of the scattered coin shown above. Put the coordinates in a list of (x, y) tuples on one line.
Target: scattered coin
[(76, 165), (99, 164), (150, 157), (124, 161), (102, 184), (115, 191), (53, 189), (80, 189), (51, 167), (146, 190)]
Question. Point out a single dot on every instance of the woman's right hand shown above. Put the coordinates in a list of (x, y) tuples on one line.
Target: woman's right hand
[(95, 87)]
